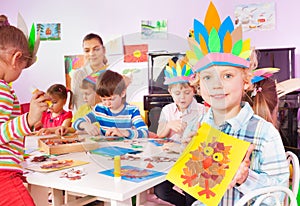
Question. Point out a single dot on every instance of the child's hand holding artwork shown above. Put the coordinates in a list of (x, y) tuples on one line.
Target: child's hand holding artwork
[(243, 171)]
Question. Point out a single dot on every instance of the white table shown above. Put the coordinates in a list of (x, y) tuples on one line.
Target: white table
[(94, 184)]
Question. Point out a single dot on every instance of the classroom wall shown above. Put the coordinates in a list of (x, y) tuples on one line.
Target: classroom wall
[(113, 18)]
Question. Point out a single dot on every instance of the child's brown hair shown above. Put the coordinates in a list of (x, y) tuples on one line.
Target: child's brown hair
[(12, 40), (60, 91), (110, 83)]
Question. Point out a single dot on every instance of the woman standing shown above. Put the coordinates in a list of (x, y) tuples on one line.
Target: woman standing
[(95, 60)]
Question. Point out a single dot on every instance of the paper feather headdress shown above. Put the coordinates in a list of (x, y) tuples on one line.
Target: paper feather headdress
[(176, 73), (217, 43), (33, 39), (92, 78)]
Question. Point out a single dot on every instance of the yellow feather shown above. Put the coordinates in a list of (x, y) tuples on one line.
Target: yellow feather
[(245, 54), (178, 69), (246, 45), (169, 70)]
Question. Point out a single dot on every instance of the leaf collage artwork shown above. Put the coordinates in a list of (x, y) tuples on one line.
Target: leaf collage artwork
[(208, 164)]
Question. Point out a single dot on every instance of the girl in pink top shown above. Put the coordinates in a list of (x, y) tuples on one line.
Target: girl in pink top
[(56, 116)]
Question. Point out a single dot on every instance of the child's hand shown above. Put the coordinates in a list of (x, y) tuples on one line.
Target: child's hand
[(62, 130), (176, 125), (91, 129), (243, 171), (44, 131), (37, 106), (116, 132)]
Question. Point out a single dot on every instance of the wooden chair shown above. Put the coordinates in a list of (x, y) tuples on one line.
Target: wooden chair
[(25, 107), (272, 191)]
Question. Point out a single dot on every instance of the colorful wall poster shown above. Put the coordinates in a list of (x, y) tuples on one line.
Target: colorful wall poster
[(208, 164), (136, 53), (255, 16), (154, 29), (50, 31), (72, 62)]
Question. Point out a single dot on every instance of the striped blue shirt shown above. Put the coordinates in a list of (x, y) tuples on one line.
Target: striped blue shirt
[(268, 160), (128, 119)]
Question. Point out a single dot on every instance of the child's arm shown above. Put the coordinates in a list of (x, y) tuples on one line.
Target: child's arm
[(164, 128), (268, 162), (243, 171), (140, 129), (86, 124), (14, 127)]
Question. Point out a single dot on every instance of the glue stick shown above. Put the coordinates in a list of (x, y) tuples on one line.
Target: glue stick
[(117, 167), (34, 90)]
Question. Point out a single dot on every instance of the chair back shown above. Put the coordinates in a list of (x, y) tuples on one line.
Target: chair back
[(268, 192), (272, 191), (25, 107), (295, 176)]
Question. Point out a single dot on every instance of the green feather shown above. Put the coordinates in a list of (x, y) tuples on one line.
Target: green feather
[(198, 52), (187, 73), (214, 42), (237, 47), (32, 38)]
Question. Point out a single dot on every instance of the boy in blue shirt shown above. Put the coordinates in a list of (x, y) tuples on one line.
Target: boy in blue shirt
[(115, 116)]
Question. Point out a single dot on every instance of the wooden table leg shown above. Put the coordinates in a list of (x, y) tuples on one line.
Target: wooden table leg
[(39, 194)]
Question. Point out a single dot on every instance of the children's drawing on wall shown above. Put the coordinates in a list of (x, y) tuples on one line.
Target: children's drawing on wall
[(154, 29), (49, 31), (114, 46), (72, 62), (136, 53), (255, 16)]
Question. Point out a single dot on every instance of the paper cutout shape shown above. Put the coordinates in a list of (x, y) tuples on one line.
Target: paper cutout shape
[(114, 151), (136, 53), (38, 167), (134, 174), (208, 164)]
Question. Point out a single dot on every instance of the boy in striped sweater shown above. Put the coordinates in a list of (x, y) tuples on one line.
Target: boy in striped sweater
[(115, 116), (15, 56)]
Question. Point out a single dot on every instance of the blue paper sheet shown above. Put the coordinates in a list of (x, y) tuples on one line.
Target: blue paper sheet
[(114, 151), (136, 170)]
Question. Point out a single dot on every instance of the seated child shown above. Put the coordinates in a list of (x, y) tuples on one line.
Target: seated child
[(56, 116), (177, 120), (116, 117), (185, 112), (88, 91)]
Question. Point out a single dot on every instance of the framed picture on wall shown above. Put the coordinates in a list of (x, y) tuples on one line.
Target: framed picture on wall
[(72, 62)]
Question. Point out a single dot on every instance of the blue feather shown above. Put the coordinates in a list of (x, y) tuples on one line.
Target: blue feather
[(256, 79), (174, 72), (167, 74), (199, 28), (183, 70), (226, 25)]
